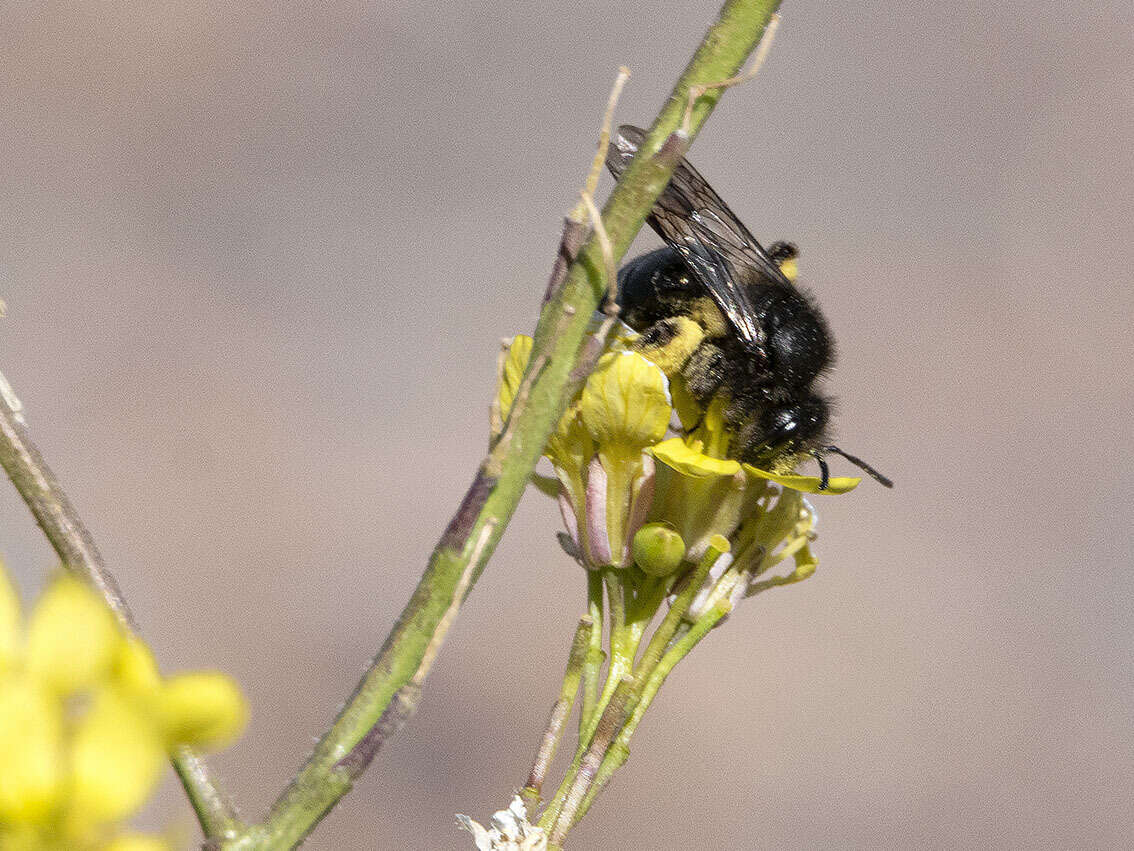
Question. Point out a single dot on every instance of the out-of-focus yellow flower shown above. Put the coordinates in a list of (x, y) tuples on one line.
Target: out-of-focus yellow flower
[(32, 772), (205, 709), (117, 755), (72, 637), (137, 842), (9, 622), (135, 668), (86, 721)]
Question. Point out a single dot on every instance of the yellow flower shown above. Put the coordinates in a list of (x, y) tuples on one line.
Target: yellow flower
[(117, 756), (625, 408), (9, 622), (618, 470), (511, 373), (86, 721), (32, 773), (205, 709), (625, 404), (72, 637), (137, 842)]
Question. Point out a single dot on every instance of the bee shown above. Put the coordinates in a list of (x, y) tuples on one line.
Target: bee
[(721, 311)]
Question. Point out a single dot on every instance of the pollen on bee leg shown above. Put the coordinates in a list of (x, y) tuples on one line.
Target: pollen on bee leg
[(669, 343)]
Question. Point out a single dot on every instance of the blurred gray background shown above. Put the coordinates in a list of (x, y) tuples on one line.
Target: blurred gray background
[(257, 258)]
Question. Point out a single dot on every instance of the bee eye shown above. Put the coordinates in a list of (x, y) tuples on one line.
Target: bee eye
[(783, 424)]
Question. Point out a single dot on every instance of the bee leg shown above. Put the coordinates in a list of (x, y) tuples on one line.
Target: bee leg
[(669, 342), (824, 471), (705, 371)]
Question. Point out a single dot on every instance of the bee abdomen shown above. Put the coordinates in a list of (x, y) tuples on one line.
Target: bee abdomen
[(798, 342)]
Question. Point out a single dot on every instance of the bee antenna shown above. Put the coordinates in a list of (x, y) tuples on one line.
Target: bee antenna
[(858, 462)]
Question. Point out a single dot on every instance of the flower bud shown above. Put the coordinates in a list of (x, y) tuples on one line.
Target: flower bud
[(204, 708), (72, 637), (658, 549)]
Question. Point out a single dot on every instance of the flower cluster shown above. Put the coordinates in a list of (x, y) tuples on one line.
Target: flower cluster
[(662, 519), (86, 722), (632, 497)]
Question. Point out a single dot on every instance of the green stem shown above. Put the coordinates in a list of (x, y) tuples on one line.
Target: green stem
[(673, 618), (621, 638), (557, 723), (665, 633), (592, 667), (622, 652), (619, 750), (610, 724), (625, 640), (75, 546)]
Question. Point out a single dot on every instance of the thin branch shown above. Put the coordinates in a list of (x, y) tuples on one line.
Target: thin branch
[(75, 547), (762, 49), (644, 694), (610, 724), (557, 722), (52, 510)]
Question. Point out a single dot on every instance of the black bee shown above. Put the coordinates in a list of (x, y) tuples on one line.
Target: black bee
[(717, 308)]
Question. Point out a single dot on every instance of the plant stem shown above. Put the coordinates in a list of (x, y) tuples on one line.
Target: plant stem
[(557, 723), (668, 627), (592, 667), (619, 749), (623, 648), (75, 546), (609, 725), (627, 647)]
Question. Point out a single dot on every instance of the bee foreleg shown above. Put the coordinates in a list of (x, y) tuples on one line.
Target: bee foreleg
[(705, 371)]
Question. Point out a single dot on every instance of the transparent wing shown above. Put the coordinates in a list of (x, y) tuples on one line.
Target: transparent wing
[(717, 248)]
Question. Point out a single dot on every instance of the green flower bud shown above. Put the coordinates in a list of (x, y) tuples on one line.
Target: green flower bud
[(658, 549)]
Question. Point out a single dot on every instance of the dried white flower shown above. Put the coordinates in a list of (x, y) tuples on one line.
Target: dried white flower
[(510, 831)]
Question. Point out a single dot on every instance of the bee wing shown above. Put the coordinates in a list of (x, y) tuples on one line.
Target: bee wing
[(716, 247)]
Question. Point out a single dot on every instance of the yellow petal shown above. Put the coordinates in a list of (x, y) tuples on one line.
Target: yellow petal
[(137, 842), (688, 411), (204, 708), (570, 446), (687, 458), (806, 484), (805, 563), (117, 758), (625, 402), (9, 621), (512, 373), (135, 668), (31, 750), (72, 637)]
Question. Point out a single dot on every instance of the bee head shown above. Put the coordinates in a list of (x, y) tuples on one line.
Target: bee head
[(783, 432)]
